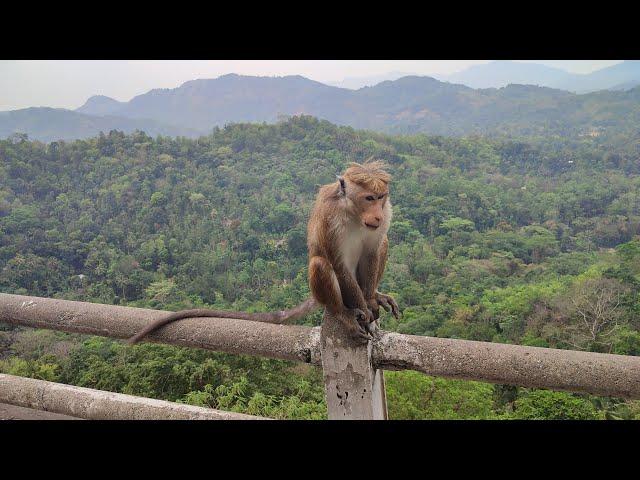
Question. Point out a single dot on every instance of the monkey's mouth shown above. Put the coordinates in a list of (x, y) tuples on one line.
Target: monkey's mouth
[(372, 227)]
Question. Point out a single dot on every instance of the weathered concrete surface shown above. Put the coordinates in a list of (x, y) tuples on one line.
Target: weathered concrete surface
[(286, 342), (99, 405), (13, 412), (353, 388), (595, 373)]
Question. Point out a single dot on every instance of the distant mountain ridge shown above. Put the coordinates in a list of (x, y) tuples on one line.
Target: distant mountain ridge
[(409, 104), (626, 85), (204, 103), (355, 83), (503, 72), (100, 105), (52, 124)]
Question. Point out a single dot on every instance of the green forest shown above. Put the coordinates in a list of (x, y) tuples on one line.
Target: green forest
[(532, 241)]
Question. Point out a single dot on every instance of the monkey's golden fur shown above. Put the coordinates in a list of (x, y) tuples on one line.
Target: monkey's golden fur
[(370, 175)]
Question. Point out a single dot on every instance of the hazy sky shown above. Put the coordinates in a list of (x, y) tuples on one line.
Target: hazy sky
[(68, 83)]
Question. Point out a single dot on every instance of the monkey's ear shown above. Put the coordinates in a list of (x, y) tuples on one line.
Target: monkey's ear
[(342, 185)]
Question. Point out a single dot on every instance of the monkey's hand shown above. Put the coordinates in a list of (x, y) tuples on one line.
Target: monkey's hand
[(387, 302)]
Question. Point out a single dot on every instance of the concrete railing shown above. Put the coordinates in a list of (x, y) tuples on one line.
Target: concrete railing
[(92, 404), (354, 382)]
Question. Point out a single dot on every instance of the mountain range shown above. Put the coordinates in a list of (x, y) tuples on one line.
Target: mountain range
[(497, 74), (409, 104), (356, 83)]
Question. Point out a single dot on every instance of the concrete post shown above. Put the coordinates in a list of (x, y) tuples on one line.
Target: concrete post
[(354, 389)]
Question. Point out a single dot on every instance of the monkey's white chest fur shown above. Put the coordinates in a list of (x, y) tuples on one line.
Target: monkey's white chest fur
[(358, 240)]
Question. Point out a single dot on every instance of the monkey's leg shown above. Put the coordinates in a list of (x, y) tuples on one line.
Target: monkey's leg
[(382, 260), (370, 272), (325, 288), (367, 274), (324, 285)]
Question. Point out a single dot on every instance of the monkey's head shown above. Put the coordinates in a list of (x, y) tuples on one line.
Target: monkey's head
[(366, 188)]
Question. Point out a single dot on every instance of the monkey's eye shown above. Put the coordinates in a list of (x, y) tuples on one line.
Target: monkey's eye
[(381, 196), (371, 198)]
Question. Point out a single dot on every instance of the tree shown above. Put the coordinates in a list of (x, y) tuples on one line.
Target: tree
[(593, 310), (457, 227)]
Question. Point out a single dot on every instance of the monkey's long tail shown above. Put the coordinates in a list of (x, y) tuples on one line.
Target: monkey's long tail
[(282, 316)]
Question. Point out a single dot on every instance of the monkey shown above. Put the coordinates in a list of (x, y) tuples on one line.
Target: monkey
[(347, 244)]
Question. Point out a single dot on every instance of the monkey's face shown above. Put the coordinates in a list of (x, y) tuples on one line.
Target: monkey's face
[(368, 206)]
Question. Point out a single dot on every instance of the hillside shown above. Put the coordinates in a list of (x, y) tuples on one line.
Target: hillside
[(492, 239), (51, 124), (203, 104), (407, 105), (100, 105), (410, 104)]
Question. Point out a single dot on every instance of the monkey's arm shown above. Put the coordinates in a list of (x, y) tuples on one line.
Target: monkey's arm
[(370, 272), (382, 260), (367, 275)]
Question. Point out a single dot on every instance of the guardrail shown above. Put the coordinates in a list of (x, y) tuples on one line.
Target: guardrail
[(87, 403), (354, 383)]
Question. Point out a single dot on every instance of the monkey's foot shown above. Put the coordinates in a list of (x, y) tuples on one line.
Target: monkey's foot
[(359, 328)]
